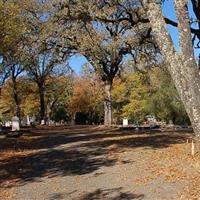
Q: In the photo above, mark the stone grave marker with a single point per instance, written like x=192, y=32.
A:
x=8, y=124
x=28, y=123
x=15, y=124
x=125, y=122
x=42, y=122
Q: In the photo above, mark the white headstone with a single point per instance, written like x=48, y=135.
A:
x=42, y=122
x=125, y=122
x=51, y=122
x=28, y=120
x=8, y=124
x=15, y=124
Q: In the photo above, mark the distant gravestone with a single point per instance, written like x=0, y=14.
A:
x=32, y=120
x=57, y=123
x=170, y=125
x=151, y=120
x=42, y=122
x=8, y=123
x=125, y=122
x=15, y=124
x=51, y=122
x=28, y=123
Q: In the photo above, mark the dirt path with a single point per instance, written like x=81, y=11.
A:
x=89, y=163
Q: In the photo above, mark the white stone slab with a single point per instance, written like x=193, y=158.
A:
x=15, y=124
x=125, y=122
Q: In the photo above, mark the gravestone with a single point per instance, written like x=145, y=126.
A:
x=42, y=122
x=8, y=123
x=151, y=120
x=51, y=122
x=32, y=120
x=28, y=123
x=125, y=122
x=171, y=125
x=15, y=124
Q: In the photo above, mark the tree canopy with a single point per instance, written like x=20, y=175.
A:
x=124, y=42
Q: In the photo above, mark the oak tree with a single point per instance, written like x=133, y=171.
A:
x=181, y=65
x=105, y=32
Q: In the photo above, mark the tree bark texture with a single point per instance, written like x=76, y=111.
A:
x=181, y=65
x=42, y=103
x=108, y=104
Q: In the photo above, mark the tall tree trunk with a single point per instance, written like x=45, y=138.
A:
x=49, y=107
x=48, y=113
x=16, y=98
x=182, y=66
x=42, y=103
x=108, y=104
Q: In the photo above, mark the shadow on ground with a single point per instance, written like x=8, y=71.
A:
x=42, y=138
x=99, y=194
x=55, y=162
x=84, y=151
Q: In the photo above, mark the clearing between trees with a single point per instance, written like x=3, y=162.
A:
x=91, y=162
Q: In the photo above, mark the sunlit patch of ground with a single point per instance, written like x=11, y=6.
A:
x=95, y=162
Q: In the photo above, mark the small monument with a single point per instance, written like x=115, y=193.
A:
x=171, y=124
x=15, y=124
x=32, y=120
x=8, y=124
x=42, y=122
x=28, y=123
x=125, y=122
x=151, y=120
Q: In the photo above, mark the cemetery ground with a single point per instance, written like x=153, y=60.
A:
x=91, y=162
